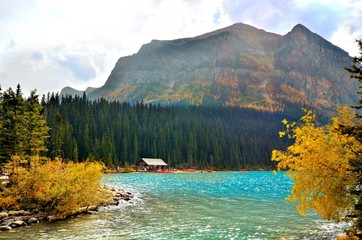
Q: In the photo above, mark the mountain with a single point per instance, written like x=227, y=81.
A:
x=73, y=92
x=239, y=65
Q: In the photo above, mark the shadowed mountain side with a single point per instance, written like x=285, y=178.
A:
x=236, y=66
x=73, y=92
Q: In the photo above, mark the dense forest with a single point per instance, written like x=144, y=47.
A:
x=31, y=181
x=199, y=137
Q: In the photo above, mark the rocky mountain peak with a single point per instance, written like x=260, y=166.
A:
x=239, y=65
x=300, y=28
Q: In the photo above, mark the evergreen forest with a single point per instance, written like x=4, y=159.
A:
x=120, y=134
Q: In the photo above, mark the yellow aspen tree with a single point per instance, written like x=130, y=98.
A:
x=318, y=162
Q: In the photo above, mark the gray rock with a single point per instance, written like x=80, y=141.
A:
x=33, y=220
x=3, y=215
x=92, y=208
x=7, y=222
x=119, y=195
x=16, y=213
x=126, y=198
x=54, y=218
x=26, y=213
x=18, y=218
x=16, y=224
x=5, y=228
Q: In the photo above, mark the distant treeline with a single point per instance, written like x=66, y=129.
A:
x=120, y=133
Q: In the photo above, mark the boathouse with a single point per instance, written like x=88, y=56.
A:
x=151, y=164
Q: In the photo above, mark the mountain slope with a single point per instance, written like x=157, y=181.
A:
x=311, y=71
x=73, y=92
x=236, y=66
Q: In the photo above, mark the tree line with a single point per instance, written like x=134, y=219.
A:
x=35, y=182
x=23, y=129
x=194, y=136
x=118, y=134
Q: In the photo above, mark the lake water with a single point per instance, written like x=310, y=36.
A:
x=217, y=205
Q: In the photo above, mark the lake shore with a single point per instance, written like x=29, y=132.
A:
x=18, y=218
x=221, y=205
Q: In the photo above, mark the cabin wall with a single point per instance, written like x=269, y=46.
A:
x=142, y=167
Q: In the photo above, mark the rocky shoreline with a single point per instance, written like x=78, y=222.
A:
x=14, y=219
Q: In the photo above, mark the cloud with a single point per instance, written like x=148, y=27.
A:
x=349, y=29
x=268, y=14
x=336, y=20
x=51, y=44
x=280, y=16
x=79, y=66
x=52, y=68
x=77, y=43
x=38, y=55
x=323, y=18
x=11, y=45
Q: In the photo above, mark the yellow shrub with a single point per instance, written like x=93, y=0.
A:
x=109, y=170
x=319, y=163
x=9, y=202
x=57, y=188
x=129, y=169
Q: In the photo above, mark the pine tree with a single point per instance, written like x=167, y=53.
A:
x=135, y=150
x=23, y=131
x=113, y=131
x=356, y=163
x=12, y=130
x=36, y=126
x=124, y=152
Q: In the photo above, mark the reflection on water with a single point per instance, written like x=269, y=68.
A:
x=218, y=205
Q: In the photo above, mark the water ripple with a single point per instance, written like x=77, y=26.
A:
x=218, y=205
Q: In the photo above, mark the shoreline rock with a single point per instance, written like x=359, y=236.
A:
x=14, y=219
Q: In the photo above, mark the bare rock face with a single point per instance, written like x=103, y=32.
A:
x=312, y=71
x=236, y=66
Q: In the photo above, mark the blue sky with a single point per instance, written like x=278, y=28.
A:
x=49, y=44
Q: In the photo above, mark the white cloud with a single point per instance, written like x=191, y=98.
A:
x=349, y=30
x=77, y=43
x=51, y=44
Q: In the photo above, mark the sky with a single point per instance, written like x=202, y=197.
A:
x=50, y=44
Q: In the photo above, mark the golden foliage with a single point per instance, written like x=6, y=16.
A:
x=56, y=187
x=128, y=169
x=318, y=162
x=7, y=200
x=347, y=238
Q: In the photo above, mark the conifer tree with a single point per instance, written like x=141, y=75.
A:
x=356, y=163
x=36, y=126
x=23, y=129
x=12, y=130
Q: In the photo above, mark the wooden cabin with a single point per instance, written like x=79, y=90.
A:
x=151, y=164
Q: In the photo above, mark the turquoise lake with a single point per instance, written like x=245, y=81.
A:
x=217, y=205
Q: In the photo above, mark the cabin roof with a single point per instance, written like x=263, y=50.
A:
x=154, y=162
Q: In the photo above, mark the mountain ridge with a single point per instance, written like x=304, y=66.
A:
x=239, y=65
